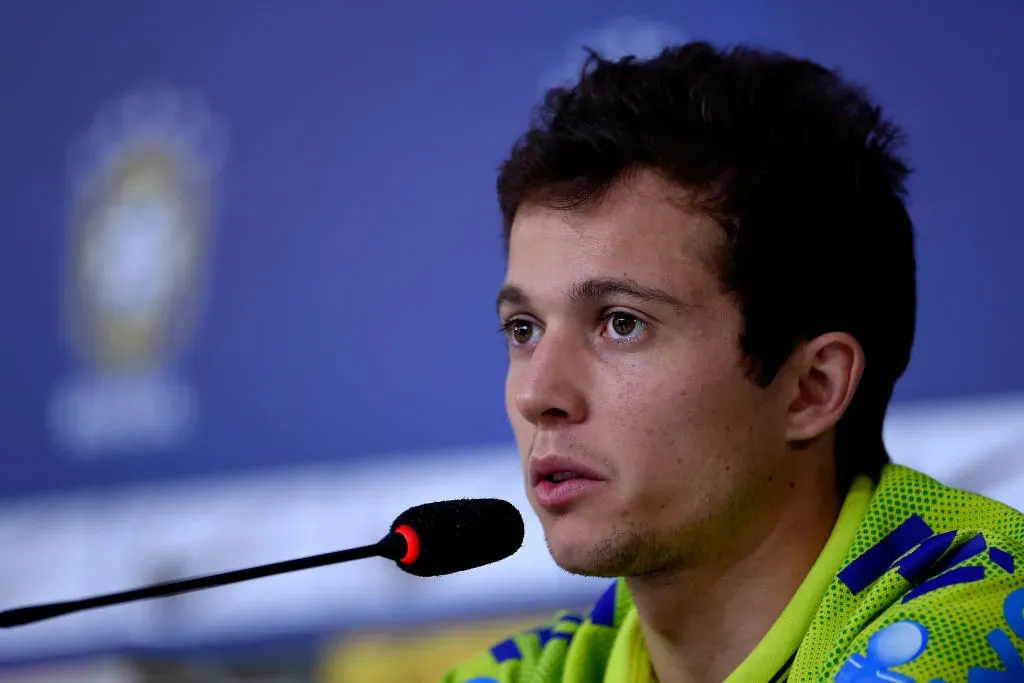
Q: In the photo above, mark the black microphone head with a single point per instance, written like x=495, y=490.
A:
x=454, y=535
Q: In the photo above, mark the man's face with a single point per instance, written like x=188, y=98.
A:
x=625, y=368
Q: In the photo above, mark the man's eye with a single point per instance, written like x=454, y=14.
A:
x=623, y=325
x=521, y=331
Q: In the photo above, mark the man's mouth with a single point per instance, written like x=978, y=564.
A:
x=558, y=481
x=558, y=469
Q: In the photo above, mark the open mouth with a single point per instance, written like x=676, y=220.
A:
x=558, y=473
x=558, y=481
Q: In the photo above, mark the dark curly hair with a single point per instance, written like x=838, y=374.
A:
x=797, y=166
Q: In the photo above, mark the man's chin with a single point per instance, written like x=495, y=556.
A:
x=588, y=569
x=600, y=558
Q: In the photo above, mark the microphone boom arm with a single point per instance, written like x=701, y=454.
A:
x=392, y=546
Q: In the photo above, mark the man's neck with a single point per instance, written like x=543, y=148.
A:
x=700, y=622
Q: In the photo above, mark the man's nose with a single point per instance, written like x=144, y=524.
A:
x=553, y=384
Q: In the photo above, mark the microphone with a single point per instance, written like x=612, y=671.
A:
x=433, y=539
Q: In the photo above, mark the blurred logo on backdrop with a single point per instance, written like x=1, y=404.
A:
x=142, y=200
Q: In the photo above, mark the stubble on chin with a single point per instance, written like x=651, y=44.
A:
x=624, y=552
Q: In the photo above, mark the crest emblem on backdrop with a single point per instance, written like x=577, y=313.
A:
x=140, y=212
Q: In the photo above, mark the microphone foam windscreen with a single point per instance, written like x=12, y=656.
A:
x=456, y=535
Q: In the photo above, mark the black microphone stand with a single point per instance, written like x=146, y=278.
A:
x=392, y=546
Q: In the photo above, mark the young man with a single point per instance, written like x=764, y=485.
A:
x=710, y=295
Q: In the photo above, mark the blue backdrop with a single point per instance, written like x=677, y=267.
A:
x=347, y=306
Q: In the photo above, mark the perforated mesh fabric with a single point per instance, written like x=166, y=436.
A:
x=957, y=619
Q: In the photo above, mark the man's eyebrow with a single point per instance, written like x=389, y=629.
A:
x=510, y=295
x=604, y=288
x=596, y=289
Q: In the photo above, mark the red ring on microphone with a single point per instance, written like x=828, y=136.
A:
x=412, y=543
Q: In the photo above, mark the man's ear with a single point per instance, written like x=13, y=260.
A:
x=827, y=370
